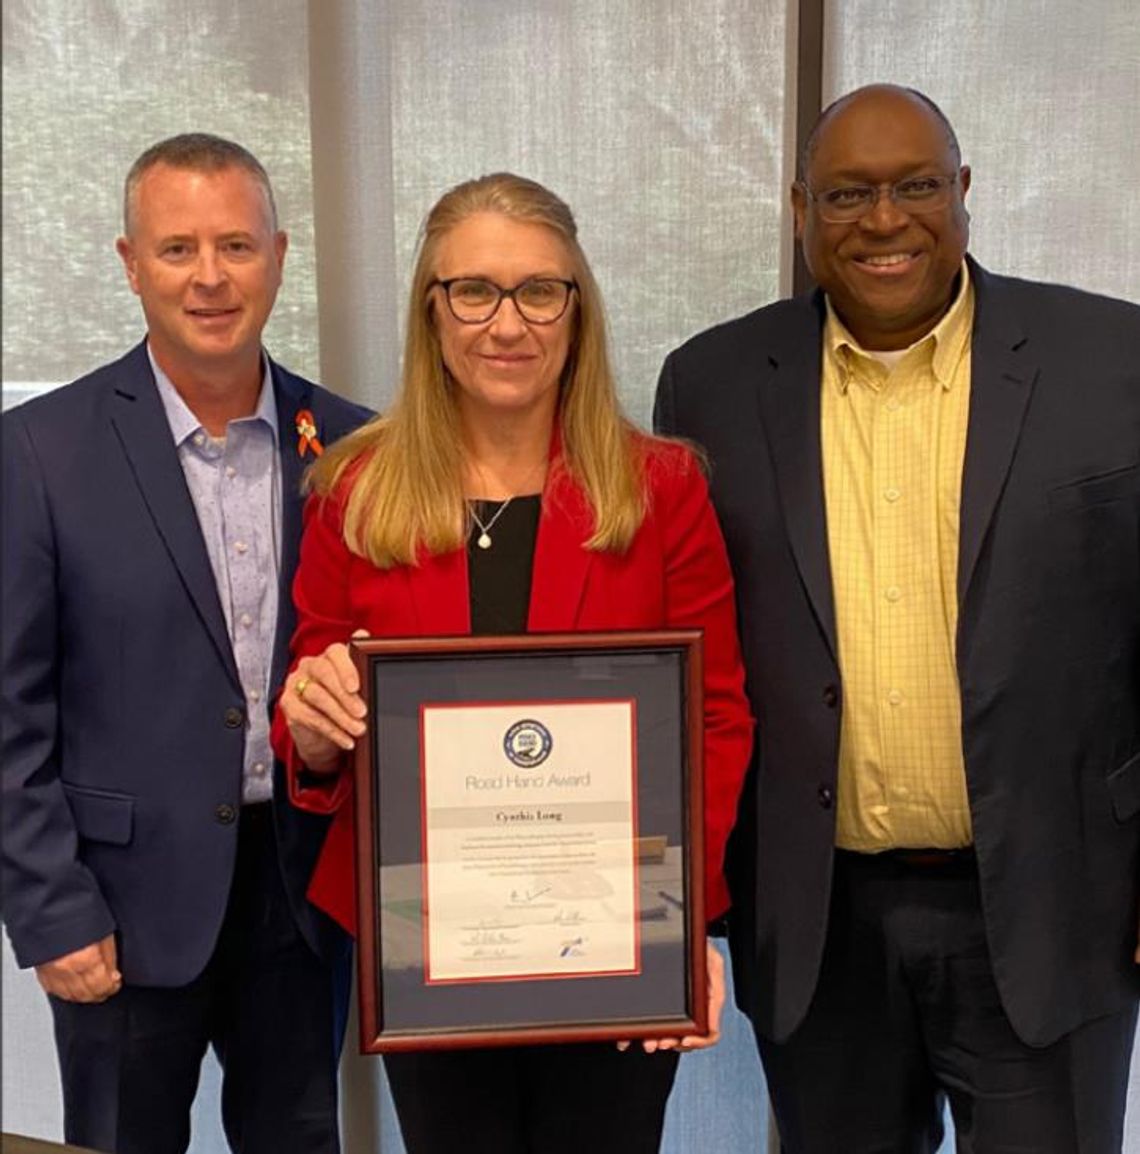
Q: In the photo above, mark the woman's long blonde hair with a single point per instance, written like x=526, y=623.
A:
x=405, y=490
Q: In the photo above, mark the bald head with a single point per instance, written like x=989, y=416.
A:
x=871, y=91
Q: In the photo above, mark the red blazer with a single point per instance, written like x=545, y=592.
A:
x=675, y=574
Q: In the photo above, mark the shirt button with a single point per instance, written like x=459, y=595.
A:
x=255, y=695
x=225, y=813
x=240, y=546
x=234, y=718
x=826, y=796
x=892, y=405
x=895, y=697
x=231, y=472
x=893, y=593
x=891, y=495
x=259, y=769
x=246, y=620
x=199, y=439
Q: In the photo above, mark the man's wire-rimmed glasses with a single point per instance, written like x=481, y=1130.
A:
x=540, y=300
x=913, y=195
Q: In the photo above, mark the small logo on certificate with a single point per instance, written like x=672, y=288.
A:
x=528, y=743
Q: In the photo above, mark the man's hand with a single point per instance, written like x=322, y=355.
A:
x=87, y=975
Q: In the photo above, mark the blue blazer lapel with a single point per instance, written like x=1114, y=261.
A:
x=142, y=429
x=1002, y=374
x=291, y=395
x=789, y=400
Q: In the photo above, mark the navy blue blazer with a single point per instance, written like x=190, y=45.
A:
x=123, y=714
x=1048, y=645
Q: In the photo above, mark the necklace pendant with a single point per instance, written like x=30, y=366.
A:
x=484, y=541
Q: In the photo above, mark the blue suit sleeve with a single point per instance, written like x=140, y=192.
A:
x=52, y=904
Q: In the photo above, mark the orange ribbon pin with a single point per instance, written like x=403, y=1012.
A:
x=307, y=434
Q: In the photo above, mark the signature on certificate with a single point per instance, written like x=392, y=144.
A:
x=489, y=938
x=529, y=895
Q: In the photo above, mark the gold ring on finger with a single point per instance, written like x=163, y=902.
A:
x=301, y=684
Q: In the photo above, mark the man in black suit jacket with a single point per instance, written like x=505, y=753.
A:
x=930, y=903
x=154, y=873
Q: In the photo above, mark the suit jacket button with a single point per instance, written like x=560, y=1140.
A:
x=225, y=813
x=826, y=796
x=831, y=696
x=234, y=718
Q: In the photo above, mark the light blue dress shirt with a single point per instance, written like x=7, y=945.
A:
x=235, y=484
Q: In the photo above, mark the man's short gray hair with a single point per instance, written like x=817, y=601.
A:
x=196, y=152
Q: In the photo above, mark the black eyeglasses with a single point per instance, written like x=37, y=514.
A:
x=913, y=195
x=540, y=300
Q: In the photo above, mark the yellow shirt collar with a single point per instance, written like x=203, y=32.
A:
x=950, y=338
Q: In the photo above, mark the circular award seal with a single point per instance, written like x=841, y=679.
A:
x=528, y=743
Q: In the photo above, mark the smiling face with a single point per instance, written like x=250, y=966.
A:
x=505, y=367
x=889, y=275
x=202, y=255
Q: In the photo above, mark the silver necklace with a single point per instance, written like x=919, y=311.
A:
x=484, y=539
x=485, y=527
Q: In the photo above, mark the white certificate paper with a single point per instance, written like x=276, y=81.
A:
x=530, y=828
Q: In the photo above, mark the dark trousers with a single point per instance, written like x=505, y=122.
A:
x=582, y=1098
x=265, y=1002
x=907, y=1015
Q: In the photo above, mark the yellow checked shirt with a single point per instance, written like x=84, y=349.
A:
x=894, y=441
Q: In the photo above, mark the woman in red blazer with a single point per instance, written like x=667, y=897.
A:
x=506, y=493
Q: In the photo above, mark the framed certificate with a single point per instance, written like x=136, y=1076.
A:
x=529, y=831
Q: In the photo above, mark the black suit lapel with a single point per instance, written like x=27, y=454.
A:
x=1002, y=373
x=789, y=399
x=144, y=432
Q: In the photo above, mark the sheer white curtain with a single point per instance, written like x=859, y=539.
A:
x=663, y=123
x=87, y=86
x=1043, y=95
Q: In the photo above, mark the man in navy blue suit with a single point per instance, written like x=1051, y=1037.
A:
x=928, y=477
x=154, y=873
